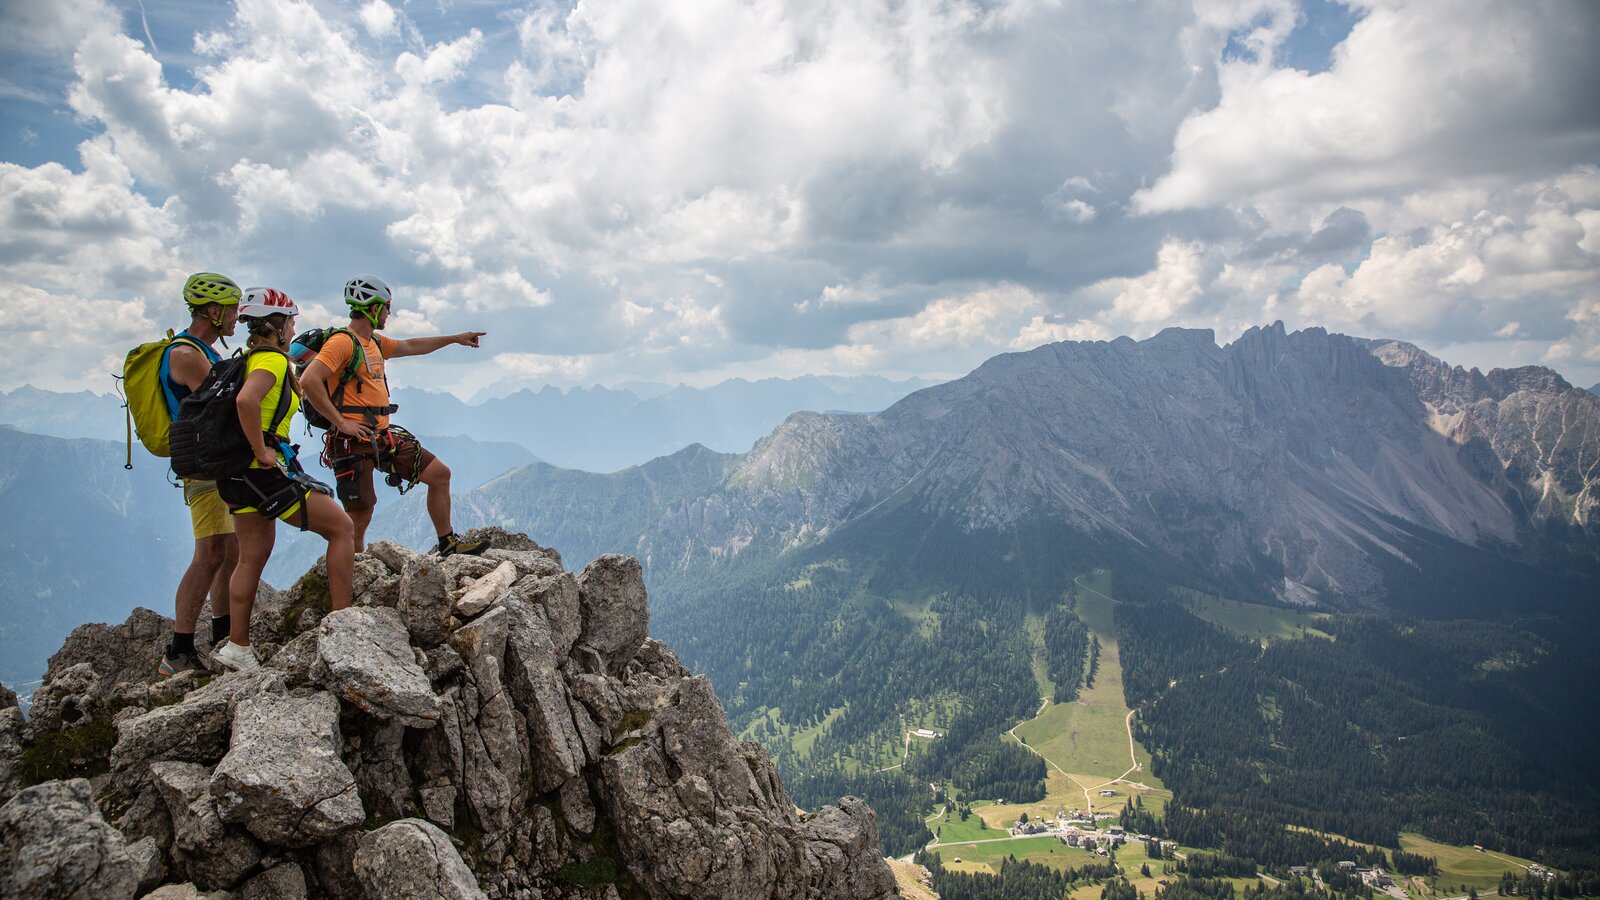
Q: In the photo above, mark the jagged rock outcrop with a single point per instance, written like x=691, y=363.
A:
x=54, y=843
x=492, y=727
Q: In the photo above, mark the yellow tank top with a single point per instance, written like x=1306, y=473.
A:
x=278, y=366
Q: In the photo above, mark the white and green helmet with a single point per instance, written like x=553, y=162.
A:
x=363, y=291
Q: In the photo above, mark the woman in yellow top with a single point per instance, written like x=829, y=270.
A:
x=274, y=487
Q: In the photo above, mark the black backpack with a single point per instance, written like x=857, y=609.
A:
x=206, y=439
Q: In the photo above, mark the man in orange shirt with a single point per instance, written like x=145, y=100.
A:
x=361, y=438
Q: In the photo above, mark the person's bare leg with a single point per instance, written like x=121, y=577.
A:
x=221, y=605
x=359, y=520
x=210, y=556
x=437, y=477
x=326, y=518
x=256, y=534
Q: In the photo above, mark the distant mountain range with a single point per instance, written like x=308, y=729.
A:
x=82, y=540
x=1306, y=467
x=596, y=429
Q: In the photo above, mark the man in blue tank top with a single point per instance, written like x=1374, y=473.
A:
x=213, y=309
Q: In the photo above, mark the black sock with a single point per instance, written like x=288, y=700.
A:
x=220, y=626
x=181, y=643
x=444, y=539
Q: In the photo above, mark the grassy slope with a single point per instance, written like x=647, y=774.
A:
x=1089, y=738
x=1264, y=623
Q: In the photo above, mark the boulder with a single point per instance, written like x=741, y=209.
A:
x=842, y=853
x=185, y=892
x=148, y=866
x=283, y=778
x=119, y=654
x=364, y=657
x=493, y=746
x=195, y=730
x=373, y=584
x=614, y=609
x=557, y=597
x=281, y=882
x=394, y=556
x=425, y=601
x=500, y=539
x=204, y=849
x=460, y=570
x=67, y=699
x=54, y=843
x=556, y=748
x=537, y=563
x=413, y=858
x=486, y=590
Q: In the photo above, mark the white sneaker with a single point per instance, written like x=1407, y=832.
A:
x=235, y=657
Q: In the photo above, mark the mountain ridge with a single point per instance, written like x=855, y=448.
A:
x=1303, y=450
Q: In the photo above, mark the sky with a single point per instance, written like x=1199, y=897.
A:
x=632, y=190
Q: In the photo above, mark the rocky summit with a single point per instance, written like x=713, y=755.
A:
x=488, y=726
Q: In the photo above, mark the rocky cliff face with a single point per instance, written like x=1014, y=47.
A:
x=1302, y=457
x=472, y=727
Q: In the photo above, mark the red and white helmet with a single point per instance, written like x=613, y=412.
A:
x=260, y=302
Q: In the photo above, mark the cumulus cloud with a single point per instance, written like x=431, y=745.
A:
x=378, y=18
x=1414, y=98
x=642, y=190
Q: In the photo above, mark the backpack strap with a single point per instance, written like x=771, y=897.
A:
x=282, y=409
x=358, y=358
x=164, y=374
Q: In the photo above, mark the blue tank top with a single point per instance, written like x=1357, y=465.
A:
x=174, y=390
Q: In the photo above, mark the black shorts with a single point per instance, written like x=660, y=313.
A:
x=266, y=491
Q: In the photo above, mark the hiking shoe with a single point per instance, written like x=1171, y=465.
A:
x=235, y=657
x=173, y=663
x=452, y=543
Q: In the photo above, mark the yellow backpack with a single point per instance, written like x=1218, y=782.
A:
x=144, y=396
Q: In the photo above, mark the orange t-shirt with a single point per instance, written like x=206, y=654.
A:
x=369, y=387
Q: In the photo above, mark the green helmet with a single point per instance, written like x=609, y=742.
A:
x=209, y=287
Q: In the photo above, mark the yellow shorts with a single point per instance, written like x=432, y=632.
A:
x=207, y=512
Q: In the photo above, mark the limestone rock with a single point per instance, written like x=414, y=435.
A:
x=67, y=699
x=195, y=730
x=557, y=597
x=392, y=555
x=373, y=584
x=425, y=601
x=486, y=590
x=283, y=778
x=541, y=726
x=54, y=843
x=184, y=892
x=556, y=748
x=148, y=866
x=614, y=609
x=295, y=659
x=500, y=539
x=281, y=882
x=11, y=725
x=204, y=849
x=364, y=657
x=842, y=851
x=537, y=563
x=460, y=569
x=413, y=858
